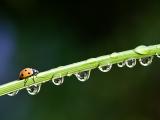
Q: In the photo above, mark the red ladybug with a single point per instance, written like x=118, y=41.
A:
x=27, y=72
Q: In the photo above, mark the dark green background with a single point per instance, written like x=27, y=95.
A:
x=45, y=35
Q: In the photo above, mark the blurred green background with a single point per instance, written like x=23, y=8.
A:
x=44, y=35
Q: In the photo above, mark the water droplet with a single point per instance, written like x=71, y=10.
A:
x=69, y=74
x=34, y=89
x=140, y=50
x=13, y=93
x=130, y=62
x=58, y=81
x=121, y=64
x=114, y=55
x=146, y=61
x=83, y=76
x=158, y=55
x=105, y=68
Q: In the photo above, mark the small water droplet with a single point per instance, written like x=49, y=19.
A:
x=130, y=62
x=158, y=55
x=69, y=74
x=34, y=89
x=58, y=81
x=105, y=68
x=121, y=64
x=114, y=55
x=146, y=61
x=13, y=93
x=83, y=76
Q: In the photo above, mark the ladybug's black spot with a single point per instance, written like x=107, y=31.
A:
x=22, y=74
x=29, y=73
x=25, y=70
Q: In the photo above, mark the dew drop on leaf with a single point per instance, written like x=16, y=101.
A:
x=34, y=89
x=130, y=62
x=105, y=68
x=121, y=64
x=146, y=60
x=13, y=93
x=158, y=55
x=58, y=81
x=83, y=76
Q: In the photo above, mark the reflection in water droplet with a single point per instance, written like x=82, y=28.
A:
x=158, y=55
x=83, y=76
x=130, y=62
x=121, y=64
x=58, y=81
x=34, y=89
x=105, y=68
x=146, y=61
x=13, y=93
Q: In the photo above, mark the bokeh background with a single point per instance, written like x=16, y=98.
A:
x=45, y=35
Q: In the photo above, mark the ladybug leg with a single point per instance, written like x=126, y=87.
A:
x=34, y=76
x=25, y=81
x=33, y=79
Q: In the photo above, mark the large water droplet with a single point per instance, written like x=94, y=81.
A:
x=121, y=64
x=130, y=62
x=13, y=93
x=83, y=76
x=34, y=89
x=105, y=68
x=158, y=55
x=140, y=50
x=146, y=61
x=58, y=81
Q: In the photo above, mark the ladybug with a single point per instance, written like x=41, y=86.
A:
x=27, y=72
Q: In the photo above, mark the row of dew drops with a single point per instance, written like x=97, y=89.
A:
x=83, y=76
